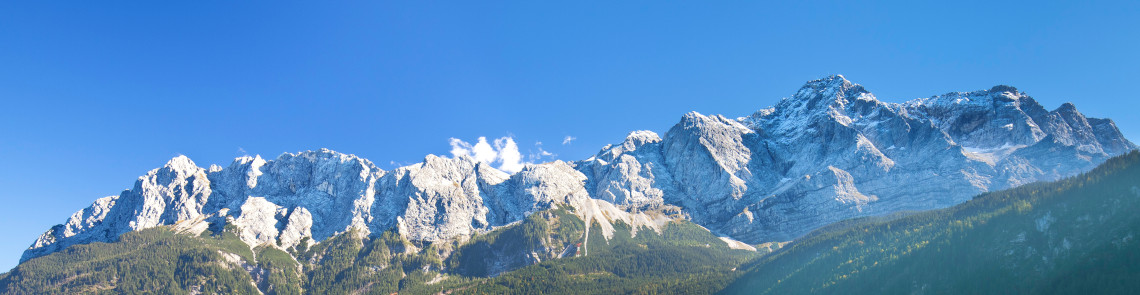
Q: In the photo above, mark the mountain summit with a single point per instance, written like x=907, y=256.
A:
x=829, y=152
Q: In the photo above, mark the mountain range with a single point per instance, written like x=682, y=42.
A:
x=830, y=152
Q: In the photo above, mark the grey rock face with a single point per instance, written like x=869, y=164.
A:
x=257, y=224
x=833, y=151
x=632, y=174
x=177, y=191
x=829, y=152
x=298, y=226
x=319, y=194
x=440, y=199
x=337, y=189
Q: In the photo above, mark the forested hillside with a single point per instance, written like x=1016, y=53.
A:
x=1075, y=236
x=164, y=261
x=684, y=259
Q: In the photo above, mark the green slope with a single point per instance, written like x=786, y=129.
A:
x=160, y=261
x=1075, y=236
x=683, y=259
x=154, y=261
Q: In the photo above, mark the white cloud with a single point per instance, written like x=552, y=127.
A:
x=505, y=152
x=539, y=155
x=483, y=152
x=509, y=155
x=542, y=152
x=568, y=139
x=459, y=148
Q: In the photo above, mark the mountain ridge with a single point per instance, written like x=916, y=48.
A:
x=829, y=152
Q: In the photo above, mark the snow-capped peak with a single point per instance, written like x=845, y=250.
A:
x=827, y=90
x=181, y=165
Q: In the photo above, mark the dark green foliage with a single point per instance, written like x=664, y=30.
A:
x=331, y=261
x=542, y=232
x=1075, y=236
x=351, y=263
x=684, y=258
x=158, y=261
x=282, y=272
x=155, y=261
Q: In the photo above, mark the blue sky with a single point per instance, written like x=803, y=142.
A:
x=95, y=94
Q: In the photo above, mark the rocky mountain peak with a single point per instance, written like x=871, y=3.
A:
x=1067, y=108
x=633, y=141
x=1000, y=97
x=1003, y=89
x=179, y=167
x=818, y=104
x=641, y=137
x=181, y=163
x=826, y=91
